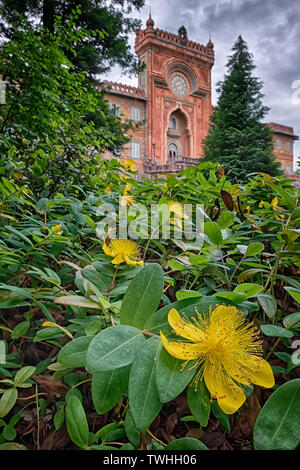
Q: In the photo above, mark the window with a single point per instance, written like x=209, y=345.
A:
x=115, y=108
x=288, y=146
x=135, y=114
x=172, y=123
x=278, y=144
x=288, y=169
x=135, y=149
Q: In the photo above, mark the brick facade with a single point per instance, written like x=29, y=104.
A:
x=283, y=145
x=171, y=106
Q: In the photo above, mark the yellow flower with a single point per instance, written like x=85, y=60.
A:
x=108, y=189
x=227, y=351
x=129, y=165
x=56, y=229
x=274, y=204
x=127, y=200
x=261, y=204
x=122, y=251
x=177, y=209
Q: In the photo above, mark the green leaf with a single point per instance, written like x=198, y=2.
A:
x=12, y=446
x=268, y=304
x=249, y=289
x=8, y=401
x=21, y=329
x=199, y=402
x=292, y=321
x=23, y=374
x=213, y=231
x=234, y=297
x=108, y=387
x=220, y=415
x=99, y=280
x=186, y=443
x=277, y=426
x=275, y=330
x=225, y=220
x=58, y=419
x=9, y=432
x=144, y=402
x=114, y=347
x=171, y=380
x=132, y=432
x=295, y=293
x=142, y=296
x=78, y=301
x=186, y=294
x=76, y=422
x=249, y=273
x=199, y=260
x=254, y=249
x=176, y=265
x=73, y=354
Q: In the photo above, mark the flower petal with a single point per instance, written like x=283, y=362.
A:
x=264, y=375
x=118, y=259
x=107, y=250
x=184, y=329
x=184, y=351
x=229, y=395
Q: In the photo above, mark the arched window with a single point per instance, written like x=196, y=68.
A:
x=173, y=151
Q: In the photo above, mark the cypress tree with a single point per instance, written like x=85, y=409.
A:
x=238, y=139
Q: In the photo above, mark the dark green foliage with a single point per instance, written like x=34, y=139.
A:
x=47, y=137
x=238, y=139
x=97, y=53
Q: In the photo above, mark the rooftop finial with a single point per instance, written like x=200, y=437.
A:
x=183, y=35
x=150, y=22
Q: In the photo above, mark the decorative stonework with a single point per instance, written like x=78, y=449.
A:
x=172, y=166
x=120, y=88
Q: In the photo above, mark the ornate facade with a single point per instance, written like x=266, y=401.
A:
x=172, y=105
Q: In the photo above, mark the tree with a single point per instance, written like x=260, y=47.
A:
x=45, y=136
x=238, y=139
x=96, y=54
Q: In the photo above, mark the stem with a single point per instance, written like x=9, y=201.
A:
x=38, y=417
x=236, y=268
x=146, y=248
x=273, y=348
x=149, y=334
x=155, y=438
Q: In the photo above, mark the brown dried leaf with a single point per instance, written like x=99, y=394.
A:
x=171, y=422
x=52, y=387
x=250, y=411
x=227, y=199
x=56, y=440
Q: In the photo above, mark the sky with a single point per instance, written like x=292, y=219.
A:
x=271, y=29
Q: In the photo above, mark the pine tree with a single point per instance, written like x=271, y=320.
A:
x=238, y=139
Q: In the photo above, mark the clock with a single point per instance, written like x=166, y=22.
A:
x=179, y=85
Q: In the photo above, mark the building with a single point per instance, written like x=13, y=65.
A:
x=284, y=138
x=171, y=106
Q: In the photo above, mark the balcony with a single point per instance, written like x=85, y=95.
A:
x=172, y=165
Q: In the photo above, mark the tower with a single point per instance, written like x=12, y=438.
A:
x=176, y=80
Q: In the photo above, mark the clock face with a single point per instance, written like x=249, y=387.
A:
x=179, y=85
